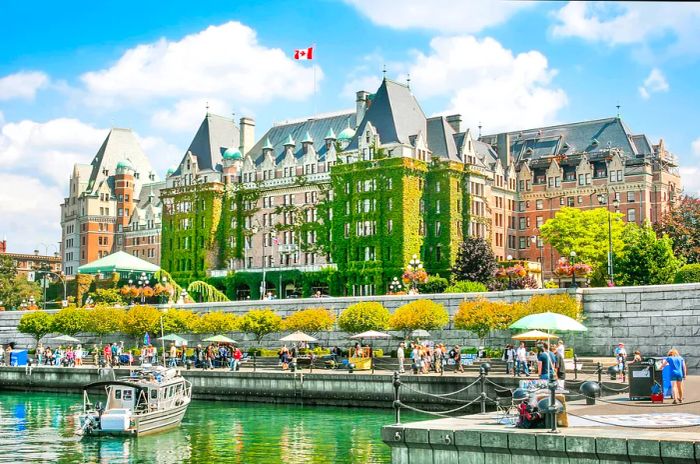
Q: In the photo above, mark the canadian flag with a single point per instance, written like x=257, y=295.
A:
x=304, y=54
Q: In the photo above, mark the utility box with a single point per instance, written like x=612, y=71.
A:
x=642, y=377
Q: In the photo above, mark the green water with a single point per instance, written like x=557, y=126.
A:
x=40, y=428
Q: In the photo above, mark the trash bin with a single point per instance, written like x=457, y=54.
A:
x=18, y=358
x=642, y=376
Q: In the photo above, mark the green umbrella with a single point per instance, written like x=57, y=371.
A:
x=548, y=321
x=174, y=338
x=219, y=339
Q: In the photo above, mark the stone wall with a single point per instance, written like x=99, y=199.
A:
x=651, y=319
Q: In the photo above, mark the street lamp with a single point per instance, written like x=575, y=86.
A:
x=395, y=286
x=414, y=265
x=572, y=261
x=603, y=199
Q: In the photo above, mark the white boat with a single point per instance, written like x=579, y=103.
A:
x=150, y=400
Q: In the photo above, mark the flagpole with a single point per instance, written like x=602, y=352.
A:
x=313, y=47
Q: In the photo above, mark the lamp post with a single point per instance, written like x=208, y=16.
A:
x=143, y=282
x=572, y=262
x=165, y=283
x=509, y=258
x=62, y=277
x=395, y=286
x=603, y=199
x=414, y=265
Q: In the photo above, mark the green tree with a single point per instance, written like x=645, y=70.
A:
x=647, y=259
x=141, y=319
x=260, y=322
x=364, y=316
x=179, y=321
x=586, y=233
x=419, y=314
x=108, y=296
x=36, y=323
x=103, y=320
x=15, y=288
x=690, y=273
x=475, y=261
x=481, y=316
x=682, y=225
x=435, y=284
x=216, y=322
x=312, y=320
x=70, y=321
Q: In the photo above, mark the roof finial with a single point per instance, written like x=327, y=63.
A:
x=207, y=106
x=480, y=129
x=618, y=110
x=384, y=72
x=408, y=81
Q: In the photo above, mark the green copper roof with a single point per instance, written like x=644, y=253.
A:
x=307, y=138
x=124, y=164
x=290, y=140
x=268, y=144
x=232, y=154
x=346, y=134
x=330, y=134
x=169, y=172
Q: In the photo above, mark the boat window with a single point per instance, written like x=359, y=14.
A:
x=128, y=395
x=117, y=394
x=154, y=394
x=170, y=391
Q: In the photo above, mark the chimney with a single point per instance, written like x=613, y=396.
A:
x=455, y=120
x=247, y=134
x=503, y=149
x=361, y=103
x=3, y=246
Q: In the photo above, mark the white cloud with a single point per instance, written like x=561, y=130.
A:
x=224, y=62
x=22, y=85
x=675, y=27
x=486, y=82
x=696, y=146
x=690, y=178
x=446, y=16
x=186, y=115
x=162, y=154
x=655, y=82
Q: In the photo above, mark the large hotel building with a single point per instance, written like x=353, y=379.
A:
x=341, y=202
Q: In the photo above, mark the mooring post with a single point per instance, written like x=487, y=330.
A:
x=553, y=404
x=397, y=397
x=254, y=351
x=600, y=374
x=575, y=366
x=482, y=381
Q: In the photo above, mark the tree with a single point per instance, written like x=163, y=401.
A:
x=682, y=225
x=435, y=284
x=179, y=321
x=108, y=296
x=364, y=316
x=419, y=314
x=70, y=321
x=260, y=322
x=15, y=288
x=481, y=316
x=103, y=320
x=312, y=320
x=475, y=261
x=647, y=259
x=141, y=319
x=216, y=322
x=690, y=273
x=586, y=233
x=560, y=303
x=37, y=324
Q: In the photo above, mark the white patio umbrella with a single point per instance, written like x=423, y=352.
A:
x=66, y=339
x=298, y=337
x=371, y=335
x=420, y=333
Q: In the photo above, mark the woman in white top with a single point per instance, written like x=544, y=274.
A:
x=79, y=355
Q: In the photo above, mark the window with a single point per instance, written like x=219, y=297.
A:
x=437, y=187
x=437, y=228
x=437, y=206
x=522, y=223
x=522, y=243
x=521, y=206
x=631, y=215
x=539, y=221
x=570, y=202
x=580, y=199
x=539, y=204
x=581, y=179
x=389, y=184
x=390, y=225
x=630, y=197
x=347, y=230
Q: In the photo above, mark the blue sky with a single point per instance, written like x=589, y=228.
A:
x=69, y=71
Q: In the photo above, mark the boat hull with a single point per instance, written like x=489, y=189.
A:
x=149, y=423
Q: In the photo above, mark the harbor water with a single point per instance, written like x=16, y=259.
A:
x=40, y=428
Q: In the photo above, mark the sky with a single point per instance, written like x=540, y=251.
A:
x=71, y=70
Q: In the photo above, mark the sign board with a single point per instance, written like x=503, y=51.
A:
x=64, y=303
x=31, y=276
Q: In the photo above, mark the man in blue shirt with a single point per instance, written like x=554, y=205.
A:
x=545, y=362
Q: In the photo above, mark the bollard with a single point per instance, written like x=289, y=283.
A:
x=553, y=404
x=575, y=367
x=254, y=357
x=482, y=381
x=397, y=398
x=600, y=374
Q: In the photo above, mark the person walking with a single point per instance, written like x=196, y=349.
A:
x=559, y=366
x=401, y=355
x=237, y=356
x=679, y=371
x=521, y=360
x=79, y=355
x=173, y=355
x=545, y=362
x=509, y=358
x=621, y=359
x=456, y=355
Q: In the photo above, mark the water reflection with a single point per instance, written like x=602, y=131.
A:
x=40, y=427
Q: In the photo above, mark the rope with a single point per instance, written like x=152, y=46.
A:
x=618, y=390
x=633, y=405
x=440, y=395
x=404, y=405
x=634, y=426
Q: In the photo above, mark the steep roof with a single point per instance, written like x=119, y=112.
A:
x=588, y=136
x=120, y=145
x=317, y=128
x=214, y=136
x=395, y=113
x=441, y=139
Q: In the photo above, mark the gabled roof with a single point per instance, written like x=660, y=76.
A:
x=120, y=145
x=116, y=262
x=317, y=128
x=588, y=136
x=441, y=139
x=214, y=136
x=394, y=113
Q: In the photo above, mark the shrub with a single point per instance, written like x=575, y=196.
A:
x=216, y=322
x=562, y=304
x=419, y=314
x=481, y=316
x=141, y=319
x=108, y=296
x=435, y=284
x=70, y=321
x=260, y=322
x=475, y=261
x=310, y=320
x=103, y=320
x=364, y=316
x=687, y=274
x=37, y=324
x=551, y=284
x=465, y=286
x=179, y=321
